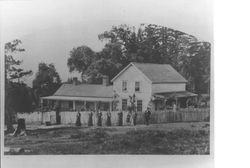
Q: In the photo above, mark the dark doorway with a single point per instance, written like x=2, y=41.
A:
x=58, y=117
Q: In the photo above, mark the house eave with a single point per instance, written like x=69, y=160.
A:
x=124, y=69
x=169, y=82
x=78, y=98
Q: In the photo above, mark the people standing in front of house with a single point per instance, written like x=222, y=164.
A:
x=134, y=116
x=90, y=121
x=108, y=118
x=78, y=119
x=147, y=115
x=128, y=118
x=174, y=107
x=99, y=119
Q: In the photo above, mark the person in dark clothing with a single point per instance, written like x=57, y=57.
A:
x=128, y=118
x=108, y=118
x=120, y=117
x=147, y=116
x=90, y=121
x=78, y=119
x=134, y=118
x=99, y=121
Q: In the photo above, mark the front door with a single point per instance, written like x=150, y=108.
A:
x=58, y=117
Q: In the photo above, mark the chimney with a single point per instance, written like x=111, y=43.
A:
x=105, y=80
x=74, y=81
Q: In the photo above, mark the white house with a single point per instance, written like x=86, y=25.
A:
x=154, y=85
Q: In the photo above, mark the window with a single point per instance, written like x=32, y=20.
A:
x=124, y=104
x=90, y=105
x=104, y=106
x=52, y=103
x=124, y=86
x=139, y=105
x=71, y=104
x=45, y=102
x=137, y=86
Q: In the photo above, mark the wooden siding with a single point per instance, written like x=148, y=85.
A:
x=132, y=75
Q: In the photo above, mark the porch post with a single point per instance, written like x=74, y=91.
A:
x=84, y=104
x=110, y=106
x=74, y=105
x=41, y=101
x=95, y=106
x=176, y=99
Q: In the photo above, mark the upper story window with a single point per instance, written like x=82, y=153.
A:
x=124, y=86
x=137, y=86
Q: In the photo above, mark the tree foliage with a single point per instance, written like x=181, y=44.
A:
x=80, y=59
x=12, y=65
x=149, y=44
x=18, y=96
x=47, y=80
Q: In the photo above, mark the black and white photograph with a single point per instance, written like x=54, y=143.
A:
x=106, y=77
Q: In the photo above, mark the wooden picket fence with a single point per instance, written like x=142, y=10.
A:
x=179, y=116
x=69, y=117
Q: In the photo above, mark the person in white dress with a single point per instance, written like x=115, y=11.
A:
x=174, y=107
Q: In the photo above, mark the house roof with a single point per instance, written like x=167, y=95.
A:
x=178, y=94
x=85, y=90
x=70, y=98
x=157, y=73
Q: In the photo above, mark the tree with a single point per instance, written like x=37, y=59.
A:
x=71, y=81
x=47, y=80
x=200, y=66
x=80, y=59
x=12, y=70
x=18, y=97
x=150, y=44
x=157, y=44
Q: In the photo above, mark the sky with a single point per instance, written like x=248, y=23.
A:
x=50, y=29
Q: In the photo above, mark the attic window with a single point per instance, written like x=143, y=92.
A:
x=124, y=86
x=137, y=86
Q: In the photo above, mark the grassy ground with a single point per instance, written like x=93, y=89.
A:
x=172, y=138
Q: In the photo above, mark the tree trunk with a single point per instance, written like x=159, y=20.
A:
x=8, y=121
x=21, y=127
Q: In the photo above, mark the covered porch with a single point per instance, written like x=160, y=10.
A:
x=70, y=103
x=165, y=100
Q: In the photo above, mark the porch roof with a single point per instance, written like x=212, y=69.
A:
x=71, y=98
x=174, y=94
x=85, y=90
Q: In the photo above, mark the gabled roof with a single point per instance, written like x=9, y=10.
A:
x=85, y=90
x=178, y=94
x=157, y=73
